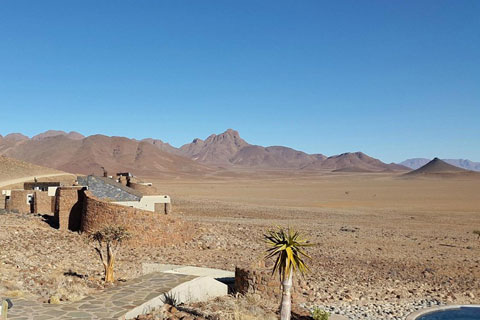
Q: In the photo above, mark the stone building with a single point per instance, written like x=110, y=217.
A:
x=74, y=204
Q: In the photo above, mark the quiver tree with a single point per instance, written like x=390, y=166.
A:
x=107, y=242
x=286, y=247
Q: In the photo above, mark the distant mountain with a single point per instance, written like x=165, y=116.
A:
x=72, y=152
x=228, y=149
x=15, y=137
x=416, y=163
x=53, y=133
x=161, y=145
x=439, y=168
x=89, y=154
x=353, y=162
x=216, y=149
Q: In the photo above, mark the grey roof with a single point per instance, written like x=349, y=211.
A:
x=106, y=188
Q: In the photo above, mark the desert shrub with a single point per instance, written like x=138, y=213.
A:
x=319, y=314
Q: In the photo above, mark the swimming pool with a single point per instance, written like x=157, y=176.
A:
x=452, y=313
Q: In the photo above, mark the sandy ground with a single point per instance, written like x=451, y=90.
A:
x=380, y=239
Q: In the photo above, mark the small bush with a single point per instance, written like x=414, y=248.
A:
x=319, y=314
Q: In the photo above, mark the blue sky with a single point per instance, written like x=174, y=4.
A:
x=394, y=79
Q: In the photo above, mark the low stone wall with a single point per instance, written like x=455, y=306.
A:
x=145, y=226
x=68, y=208
x=145, y=189
x=257, y=279
x=2, y=201
x=18, y=201
x=42, y=202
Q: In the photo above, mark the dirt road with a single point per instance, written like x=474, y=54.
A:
x=30, y=178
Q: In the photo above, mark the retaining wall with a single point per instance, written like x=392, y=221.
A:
x=145, y=189
x=257, y=279
x=145, y=226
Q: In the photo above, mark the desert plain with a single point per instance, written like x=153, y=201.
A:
x=383, y=244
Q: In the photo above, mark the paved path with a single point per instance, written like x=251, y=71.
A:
x=121, y=302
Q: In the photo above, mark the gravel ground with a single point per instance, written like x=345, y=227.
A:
x=361, y=270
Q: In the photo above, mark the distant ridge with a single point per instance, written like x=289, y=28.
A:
x=437, y=167
x=416, y=163
x=72, y=152
x=228, y=149
x=53, y=133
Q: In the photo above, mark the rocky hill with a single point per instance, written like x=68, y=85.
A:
x=15, y=169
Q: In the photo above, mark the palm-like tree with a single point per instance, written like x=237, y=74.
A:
x=287, y=246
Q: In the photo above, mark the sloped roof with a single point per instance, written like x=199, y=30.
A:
x=106, y=188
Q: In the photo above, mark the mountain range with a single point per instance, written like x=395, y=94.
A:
x=73, y=152
x=416, y=163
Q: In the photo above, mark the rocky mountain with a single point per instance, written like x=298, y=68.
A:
x=75, y=153
x=89, y=154
x=228, y=149
x=53, y=133
x=15, y=137
x=216, y=149
x=353, y=161
x=273, y=157
x=416, y=163
x=164, y=146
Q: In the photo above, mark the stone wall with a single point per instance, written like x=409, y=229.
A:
x=145, y=226
x=18, y=201
x=2, y=201
x=144, y=189
x=258, y=280
x=42, y=202
x=68, y=208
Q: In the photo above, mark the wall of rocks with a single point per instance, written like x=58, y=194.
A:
x=144, y=189
x=18, y=201
x=42, y=202
x=2, y=201
x=145, y=226
x=68, y=208
x=258, y=280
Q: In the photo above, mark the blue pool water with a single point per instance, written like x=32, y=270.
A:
x=464, y=313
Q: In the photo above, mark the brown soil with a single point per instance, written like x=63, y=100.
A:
x=378, y=238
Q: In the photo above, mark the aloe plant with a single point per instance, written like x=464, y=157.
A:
x=286, y=246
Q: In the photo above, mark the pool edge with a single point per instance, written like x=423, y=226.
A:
x=422, y=312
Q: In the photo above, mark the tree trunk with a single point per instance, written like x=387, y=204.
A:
x=109, y=277
x=286, y=307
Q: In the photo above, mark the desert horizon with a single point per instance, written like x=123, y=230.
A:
x=239, y=160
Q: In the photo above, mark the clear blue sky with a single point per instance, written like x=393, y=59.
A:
x=394, y=79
